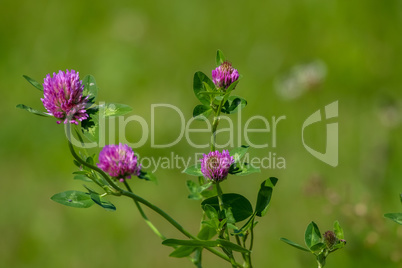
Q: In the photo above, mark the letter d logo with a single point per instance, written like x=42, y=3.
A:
x=331, y=152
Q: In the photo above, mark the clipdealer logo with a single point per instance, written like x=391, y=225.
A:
x=330, y=156
x=267, y=127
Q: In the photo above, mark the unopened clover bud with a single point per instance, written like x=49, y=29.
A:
x=330, y=239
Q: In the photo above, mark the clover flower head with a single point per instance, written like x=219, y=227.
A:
x=224, y=75
x=63, y=97
x=215, y=165
x=119, y=161
x=330, y=239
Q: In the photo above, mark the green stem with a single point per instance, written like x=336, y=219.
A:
x=321, y=259
x=95, y=178
x=213, y=137
x=159, y=211
x=244, y=255
x=144, y=216
x=251, y=245
x=218, y=188
x=219, y=191
x=228, y=252
x=221, y=208
x=215, y=125
x=232, y=260
x=252, y=235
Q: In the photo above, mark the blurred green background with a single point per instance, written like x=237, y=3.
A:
x=146, y=52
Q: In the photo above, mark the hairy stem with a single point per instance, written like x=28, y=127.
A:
x=215, y=125
x=144, y=216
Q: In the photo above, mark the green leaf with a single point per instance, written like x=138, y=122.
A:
x=194, y=196
x=90, y=190
x=264, y=197
x=182, y=251
x=76, y=163
x=220, y=58
x=199, y=88
x=82, y=172
x=231, y=88
x=293, y=244
x=213, y=217
x=312, y=235
x=197, y=259
x=243, y=169
x=194, y=170
x=75, y=199
x=33, y=111
x=196, y=190
x=90, y=126
x=318, y=247
x=340, y=244
x=201, y=112
x=102, y=202
x=218, y=95
x=208, y=88
x=148, y=176
x=209, y=193
x=338, y=230
x=229, y=217
x=234, y=104
x=33, y=82
x=90, y=87
x=193, y=243
x=206, y=232
x=229, y=91
x=192, y=186
x=271, y=181
x=242, y=231
x=239, y=152
x=396, y=217
x=90, y=160
x=211, y=212
x=114, y=109
x=211, y=224
x=240, y=206
x=80, y=138
x=82, y=178
x=400, y=196
x=321, y=259
x=205, y=186
x=203, y=243
x=229, y=245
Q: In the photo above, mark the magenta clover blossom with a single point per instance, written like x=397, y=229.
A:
x=63, y=97
x=119, y=161
x=224, y=75
x=215, y=165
